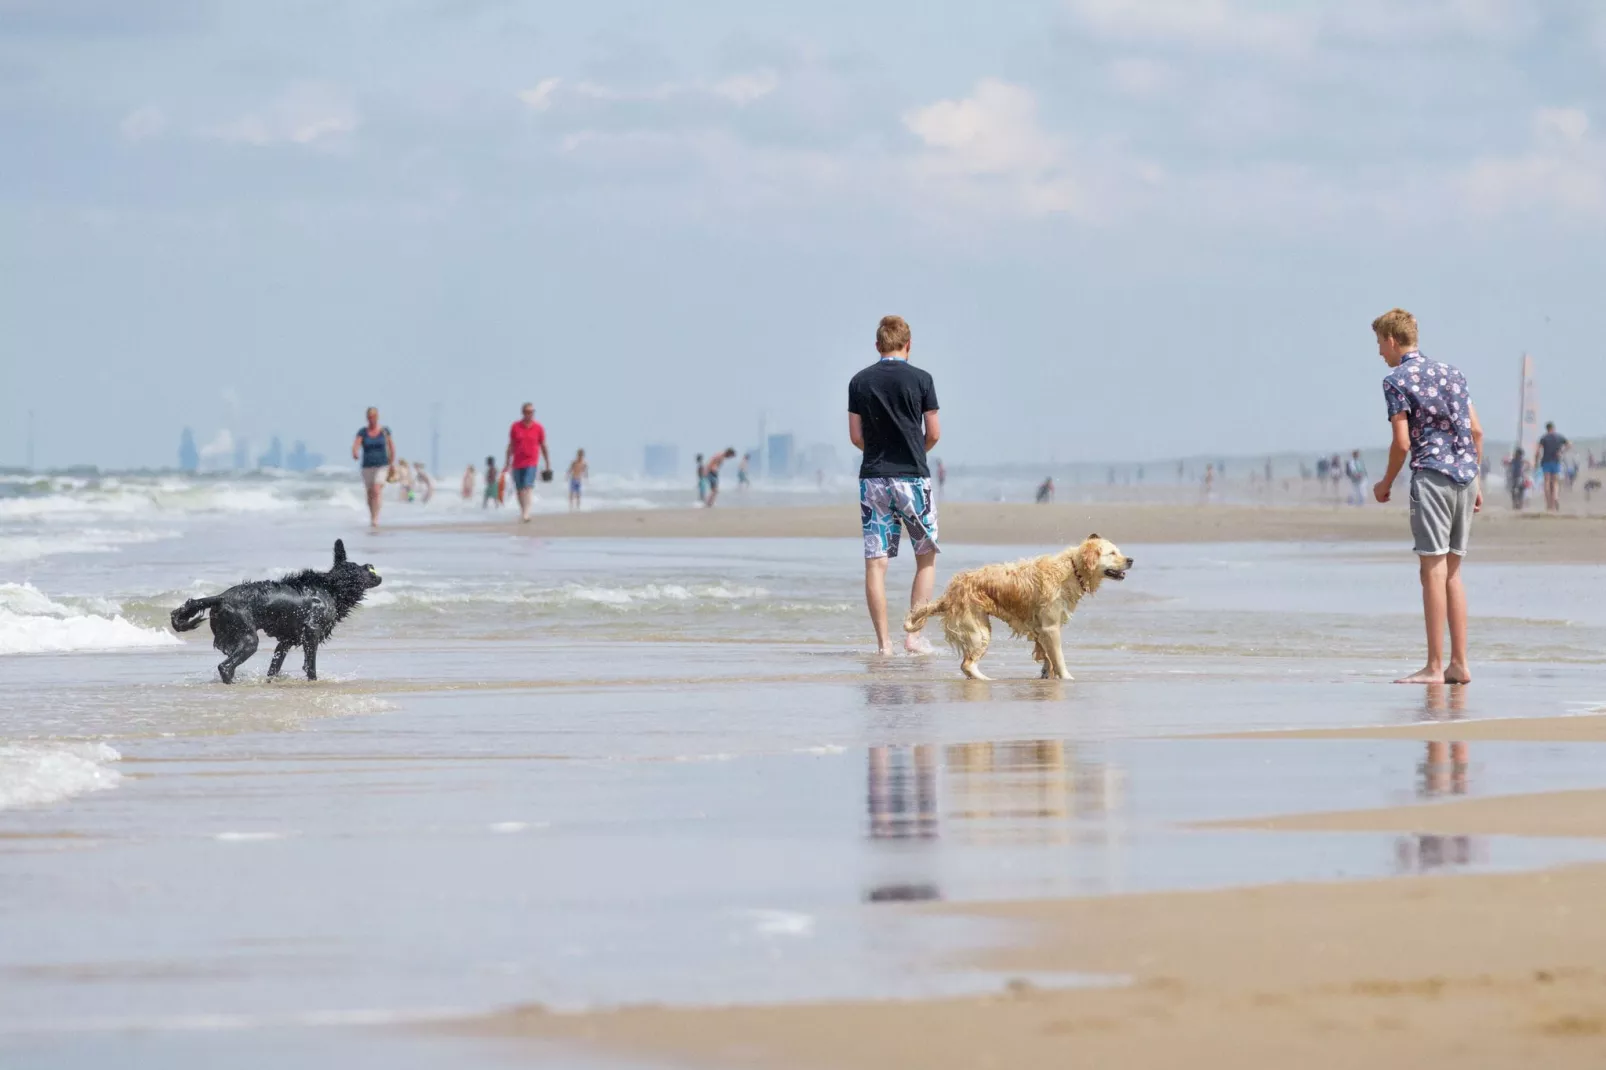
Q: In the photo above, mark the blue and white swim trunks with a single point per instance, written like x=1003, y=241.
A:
x=888, y=504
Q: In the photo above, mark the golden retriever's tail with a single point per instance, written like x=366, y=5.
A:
x=918, y=616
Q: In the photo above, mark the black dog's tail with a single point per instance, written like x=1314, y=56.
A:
x=187, y=617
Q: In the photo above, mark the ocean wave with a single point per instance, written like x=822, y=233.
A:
x=33, y=623
x=36, y=774
x=644, y=596
x=29, y=545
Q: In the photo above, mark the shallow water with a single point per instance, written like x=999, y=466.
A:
x=586, y=772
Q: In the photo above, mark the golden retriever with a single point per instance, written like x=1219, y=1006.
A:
x=1034, y=597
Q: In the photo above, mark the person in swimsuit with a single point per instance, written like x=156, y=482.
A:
x=702, y=481
x=579, y=471
x=490, y=485
x=742, y=478
x=374, y=447
x=711, y=475
x=468, y=483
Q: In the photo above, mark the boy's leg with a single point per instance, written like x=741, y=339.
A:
x=875, y=597
x=1456, y=610
x=880, y=532
x=919, y=595
x=1435, y=573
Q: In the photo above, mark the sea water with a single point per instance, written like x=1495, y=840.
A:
x=592, y=772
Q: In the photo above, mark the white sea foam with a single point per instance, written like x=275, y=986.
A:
x=30, y=545
x=37, y=774
x=780, y=923
x=572, y=594
x=33, y=623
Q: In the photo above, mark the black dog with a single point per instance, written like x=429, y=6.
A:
x=300, y=610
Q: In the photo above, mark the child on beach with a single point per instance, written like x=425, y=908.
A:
x=579, y=471
x=490, y=485
x=892, y=417
x=1435, y=427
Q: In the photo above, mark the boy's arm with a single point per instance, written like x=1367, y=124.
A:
x=1399, y=451
x=933, y=429
x=856, y=430
x=1477, y=447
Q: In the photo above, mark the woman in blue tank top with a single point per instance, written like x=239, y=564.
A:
x=374, y=447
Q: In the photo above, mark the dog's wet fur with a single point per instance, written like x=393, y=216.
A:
x=301, y=609
x=1035, y=597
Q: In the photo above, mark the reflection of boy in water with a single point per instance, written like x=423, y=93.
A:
x=1443, y=772
x=894, y=794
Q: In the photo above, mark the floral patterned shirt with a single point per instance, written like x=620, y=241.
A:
x=1434, y=397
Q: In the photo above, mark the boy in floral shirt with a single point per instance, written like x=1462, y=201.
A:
x=1436, y=427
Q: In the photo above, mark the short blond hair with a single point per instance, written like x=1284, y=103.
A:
x=1397, y=324
x=892, y=334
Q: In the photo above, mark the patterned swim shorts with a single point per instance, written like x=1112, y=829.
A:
x=885, y=504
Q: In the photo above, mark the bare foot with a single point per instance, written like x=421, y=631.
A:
x=917, y=644
x=886, y=650
x=1427, y=675
x=1457, y=674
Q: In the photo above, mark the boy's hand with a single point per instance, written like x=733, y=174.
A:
x=1381, y=491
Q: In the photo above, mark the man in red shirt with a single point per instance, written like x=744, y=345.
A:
x=526, y=448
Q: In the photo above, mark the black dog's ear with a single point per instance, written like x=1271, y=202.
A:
x=340, y=552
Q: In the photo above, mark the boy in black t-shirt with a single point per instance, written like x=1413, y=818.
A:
x=892, y=417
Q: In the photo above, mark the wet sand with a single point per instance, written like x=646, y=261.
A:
x=1497, y=536
x=1485, y=971
x=1551, y=813
x=1579, y=729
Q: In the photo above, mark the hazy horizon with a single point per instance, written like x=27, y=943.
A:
x=1139, y=231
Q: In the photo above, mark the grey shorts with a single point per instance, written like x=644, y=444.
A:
x=373, y=475
x=1441, y=513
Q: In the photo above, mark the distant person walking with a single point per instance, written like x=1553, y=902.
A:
x=1045, y=491
x=579, y=472
x=526, y=449
x=424, y=481
x=1435, y=427
x=468, y=484
x=491, y=485
x=1517, y=479
x=702, y=481
x=1552, y=446
x=1355, y=472
x=376, y=450
x=742, y=478
x=711, y=475
x=892, y=417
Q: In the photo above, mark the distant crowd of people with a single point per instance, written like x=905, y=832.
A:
x=527, y=460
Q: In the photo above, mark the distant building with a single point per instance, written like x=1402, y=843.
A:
x=274, y=458
x=781, y=456
x=302, y=461
x=661, y=461
x=189, y=458
x=820, y=457
x=242, y=454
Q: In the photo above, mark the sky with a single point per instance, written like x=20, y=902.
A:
x=1120, y=231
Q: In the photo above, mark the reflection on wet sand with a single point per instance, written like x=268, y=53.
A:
x=1443, y=771
x=1014, y=792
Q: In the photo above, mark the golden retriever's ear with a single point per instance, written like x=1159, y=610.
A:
x=1090, y=556
x=1093, y=536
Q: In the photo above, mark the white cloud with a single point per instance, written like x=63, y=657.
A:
x=143, y=123
x=743, y=89
x=739, y=89
x=1563, y=170
x=540, y=97
x=990, y=146
x=304, y=114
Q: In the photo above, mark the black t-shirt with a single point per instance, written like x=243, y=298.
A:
x=891, y=398
x=1550, y=447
